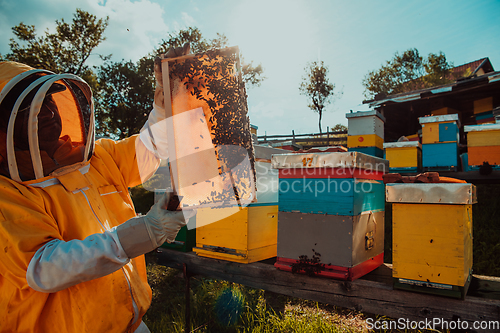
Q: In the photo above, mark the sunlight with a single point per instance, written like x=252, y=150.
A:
x=272, y=29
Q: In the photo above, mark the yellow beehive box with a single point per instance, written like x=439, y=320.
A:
x=365, y=140
x=483, y=144
x=483, y=105
x=432, y=237
x=483, y=135
x=243, y=235
x=443, y=111
x=403, y=156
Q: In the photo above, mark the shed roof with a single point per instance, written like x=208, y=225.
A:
x=462, y=84
x=472, y=67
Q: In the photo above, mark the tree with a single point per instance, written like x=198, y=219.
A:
x=252, y=75
x=339, y=128
x=127, y=88
x=125, y=98
x=316, y=86
x=65, y=51
x=407, y=72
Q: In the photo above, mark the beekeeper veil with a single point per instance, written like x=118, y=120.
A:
x=29, y=100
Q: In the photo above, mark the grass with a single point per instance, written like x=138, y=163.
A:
x=166, y=313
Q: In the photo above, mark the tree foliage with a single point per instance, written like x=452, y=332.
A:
x=123, y=91
x=65, y=51
x=316, y=86
x=252, y=75
x=125, y=98
x=339, y=128
x=407, y=72
x=127, y=88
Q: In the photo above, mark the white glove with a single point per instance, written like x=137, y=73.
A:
x=143, y=234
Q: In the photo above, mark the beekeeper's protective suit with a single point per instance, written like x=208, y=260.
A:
x=71, y=246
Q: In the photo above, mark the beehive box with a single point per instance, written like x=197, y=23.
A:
x=243, y=234
x=483, y=145
x=440, y=139
x=365, y=132
x=239, y=234
x=331, y=219
x=403, y=157
x=432, y=237
x=483, y=105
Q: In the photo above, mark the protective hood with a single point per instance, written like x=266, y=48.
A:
x=25, y=94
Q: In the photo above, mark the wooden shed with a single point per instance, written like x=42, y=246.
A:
x=472, y=98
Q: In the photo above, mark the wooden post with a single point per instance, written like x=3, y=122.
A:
x=187, y=296
x=275, y=302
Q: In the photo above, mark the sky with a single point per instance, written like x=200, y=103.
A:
x=351, y=37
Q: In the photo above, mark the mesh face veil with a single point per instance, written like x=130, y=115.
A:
x=70, y=96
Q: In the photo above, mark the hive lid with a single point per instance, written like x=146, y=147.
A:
x=266, y=152
x=439, y=193
x=439, y=119
x=481, y=128
x=365, y=114
x=330, y=160
x=402, y=144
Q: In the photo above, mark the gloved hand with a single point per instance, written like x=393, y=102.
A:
x=143, y=234
x=172, y=53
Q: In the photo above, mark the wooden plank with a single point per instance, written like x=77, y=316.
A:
x=363, y=295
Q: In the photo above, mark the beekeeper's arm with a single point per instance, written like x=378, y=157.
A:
x=59, y=264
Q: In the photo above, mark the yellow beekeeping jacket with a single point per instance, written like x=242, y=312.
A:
x=88, y=200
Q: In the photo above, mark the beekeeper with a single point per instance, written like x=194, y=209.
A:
x=71, y=257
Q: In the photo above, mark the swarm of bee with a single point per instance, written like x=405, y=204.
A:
x=214, y=80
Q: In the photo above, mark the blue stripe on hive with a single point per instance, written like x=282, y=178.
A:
x=373, y=151
x=331, y=196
